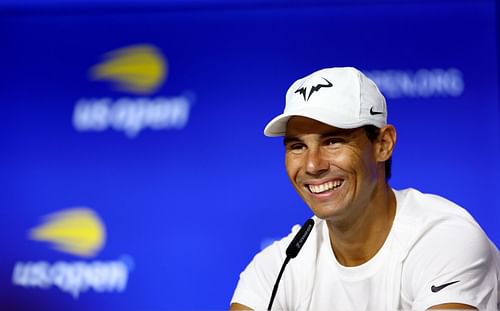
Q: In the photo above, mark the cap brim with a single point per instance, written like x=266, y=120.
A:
x=277, y=126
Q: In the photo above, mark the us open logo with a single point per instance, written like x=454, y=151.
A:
x=140, y=71
x=78, y=231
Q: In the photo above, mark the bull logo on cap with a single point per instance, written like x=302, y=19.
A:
x=314, y=86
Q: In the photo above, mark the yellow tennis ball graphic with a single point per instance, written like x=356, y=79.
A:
x=138, y=69
x=78, y=231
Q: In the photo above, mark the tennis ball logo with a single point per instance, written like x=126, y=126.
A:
x=139, y=69
x=78, y=231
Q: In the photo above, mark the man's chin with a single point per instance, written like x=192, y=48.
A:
x=330, y=211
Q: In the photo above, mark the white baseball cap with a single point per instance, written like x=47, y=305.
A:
x=342, y=97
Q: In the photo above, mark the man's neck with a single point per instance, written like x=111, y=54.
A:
x=357, y=241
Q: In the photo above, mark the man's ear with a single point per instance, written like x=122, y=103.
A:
x=385, y=143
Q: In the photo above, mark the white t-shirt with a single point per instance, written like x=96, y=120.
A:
x=435, y=253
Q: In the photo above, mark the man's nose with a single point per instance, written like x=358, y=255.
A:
x=316, y=163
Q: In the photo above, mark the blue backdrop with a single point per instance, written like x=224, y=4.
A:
x=138, y=132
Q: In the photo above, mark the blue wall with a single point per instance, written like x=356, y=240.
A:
x=178, y=174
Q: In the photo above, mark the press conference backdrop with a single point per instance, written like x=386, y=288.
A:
x=134, y=171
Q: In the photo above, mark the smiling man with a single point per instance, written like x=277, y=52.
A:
x=372, y=247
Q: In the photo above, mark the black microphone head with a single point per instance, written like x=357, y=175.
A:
x=298, y=241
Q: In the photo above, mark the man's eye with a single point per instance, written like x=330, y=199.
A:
x=296, y=147
x=334, y=141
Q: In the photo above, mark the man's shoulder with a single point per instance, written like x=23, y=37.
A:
x=425, y=207
x=431, y=219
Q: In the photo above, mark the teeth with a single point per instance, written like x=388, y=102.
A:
x=325, y=187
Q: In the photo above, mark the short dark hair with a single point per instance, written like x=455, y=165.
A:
x=372, y=133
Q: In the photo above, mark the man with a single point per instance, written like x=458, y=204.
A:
x=372, y=247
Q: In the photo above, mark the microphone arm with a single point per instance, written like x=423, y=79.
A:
x=291, y=252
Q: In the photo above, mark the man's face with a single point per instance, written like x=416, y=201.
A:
x=334, y=170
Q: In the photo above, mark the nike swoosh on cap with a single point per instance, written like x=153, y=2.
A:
x=436, y=289
x=375, y=112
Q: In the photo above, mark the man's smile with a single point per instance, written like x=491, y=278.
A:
x=325, y=187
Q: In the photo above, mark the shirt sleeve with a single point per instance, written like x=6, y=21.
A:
x=257, y=280
x=453, y=262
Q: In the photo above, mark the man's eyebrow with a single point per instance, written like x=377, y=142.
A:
x=290, y=139
x=336, y=132
x=340, y=132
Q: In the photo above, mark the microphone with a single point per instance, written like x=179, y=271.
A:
x=291, y=252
